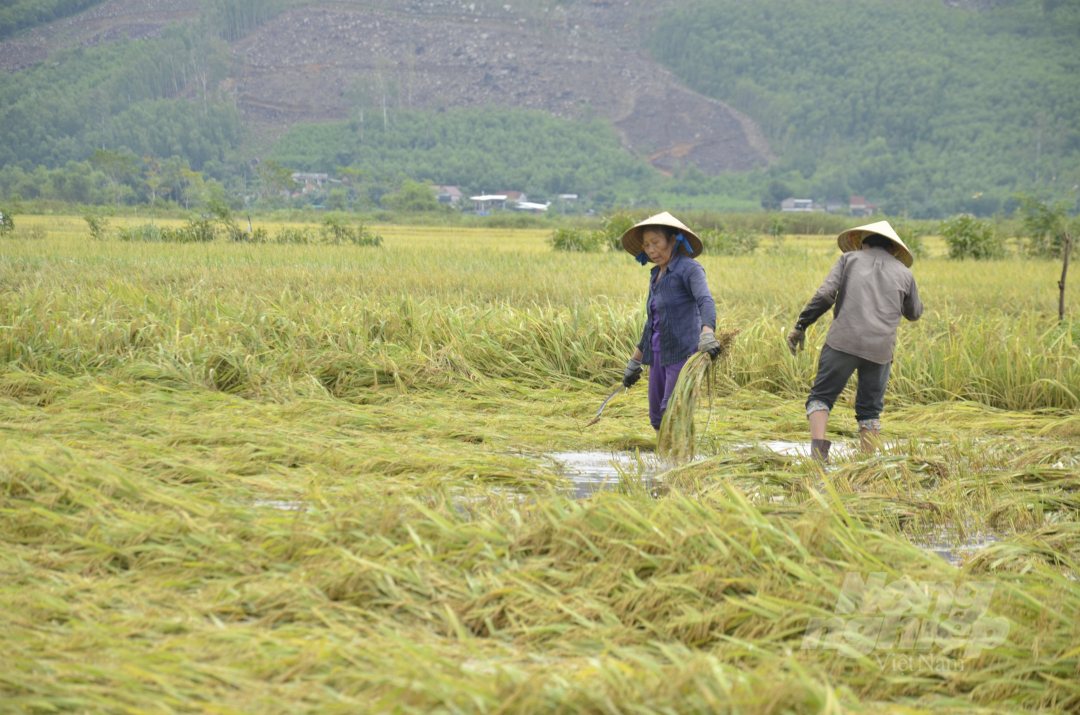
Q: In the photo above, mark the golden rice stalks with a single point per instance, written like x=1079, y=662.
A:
x=677, y=433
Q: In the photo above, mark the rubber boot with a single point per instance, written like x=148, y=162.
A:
x=819, y=450
x=870, y=440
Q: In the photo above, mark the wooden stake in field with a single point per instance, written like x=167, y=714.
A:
x=1064, y=273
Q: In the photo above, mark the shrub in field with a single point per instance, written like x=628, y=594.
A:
x=719, y=242
x=336, y=231
x=196, y=231
x=1045, y=224
x=609, y=235
x=613, y=226
x=147, y=232
x=367, y=238
x=969, y=237
x=300, y=236
x=7, y=221
x=96, y=224
x=576, y=239
x=257, y=235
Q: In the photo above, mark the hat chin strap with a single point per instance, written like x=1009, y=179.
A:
x=642, y=258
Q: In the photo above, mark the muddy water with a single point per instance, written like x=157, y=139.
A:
x=591, y=472
x=798, y=449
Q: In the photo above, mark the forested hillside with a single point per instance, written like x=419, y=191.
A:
x=925, y=108
x=152, y=97
x=18, y=15
x=483, y=149
x=931, y=108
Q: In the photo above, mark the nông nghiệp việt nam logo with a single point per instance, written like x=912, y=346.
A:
x=909, y=618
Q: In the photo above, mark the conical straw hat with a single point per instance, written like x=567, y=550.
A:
x=851, y=240
x=633, y=238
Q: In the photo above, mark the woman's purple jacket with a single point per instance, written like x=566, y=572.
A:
x=684, y=304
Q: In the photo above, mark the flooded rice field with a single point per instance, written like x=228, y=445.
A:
x=595, y=471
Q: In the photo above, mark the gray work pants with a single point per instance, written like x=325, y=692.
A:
x=836, y=368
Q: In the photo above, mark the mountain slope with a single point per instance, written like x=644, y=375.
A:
x=588, y=60
x=928, y=105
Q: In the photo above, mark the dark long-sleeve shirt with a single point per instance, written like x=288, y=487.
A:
x=871, y=290
x=684, y=304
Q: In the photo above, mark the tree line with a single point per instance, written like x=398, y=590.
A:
x=489, y=149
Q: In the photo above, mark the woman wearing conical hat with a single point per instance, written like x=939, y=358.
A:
x=680, y=313
x=869, y=289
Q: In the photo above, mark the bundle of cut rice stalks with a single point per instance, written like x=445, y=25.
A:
x=677, y=430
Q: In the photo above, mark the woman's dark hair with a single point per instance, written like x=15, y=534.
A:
x=877, y=241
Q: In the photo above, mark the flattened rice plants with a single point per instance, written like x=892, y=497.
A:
x=302, y=477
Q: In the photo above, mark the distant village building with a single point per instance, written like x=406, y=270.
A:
x=790, y=205
x=515, y=196
x=486, y=202
x=858, y=206
x=531, y=207
x=448, y=195
x=834, y=206
x=305, y=178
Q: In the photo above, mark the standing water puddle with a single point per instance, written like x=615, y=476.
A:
x=592, y=472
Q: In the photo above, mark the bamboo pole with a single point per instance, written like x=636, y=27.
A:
x=1061, y=283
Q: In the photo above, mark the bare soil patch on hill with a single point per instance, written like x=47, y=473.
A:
x=111, y=21
x=300, y=67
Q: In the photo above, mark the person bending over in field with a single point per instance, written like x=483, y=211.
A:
x=869, y=288
x=680, y=315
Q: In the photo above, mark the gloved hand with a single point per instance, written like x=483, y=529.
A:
x=708, y=343
x=632, y=373
x=796, y=340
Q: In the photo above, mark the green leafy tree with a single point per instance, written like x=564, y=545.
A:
x=275, y=179
x=335, y=199
x=969, y=237
x=153, y=177
x=193, y=185
x=614, y=225
x=414, y=197
x=1045, y=223
x=115, y=165
x=97, y=224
